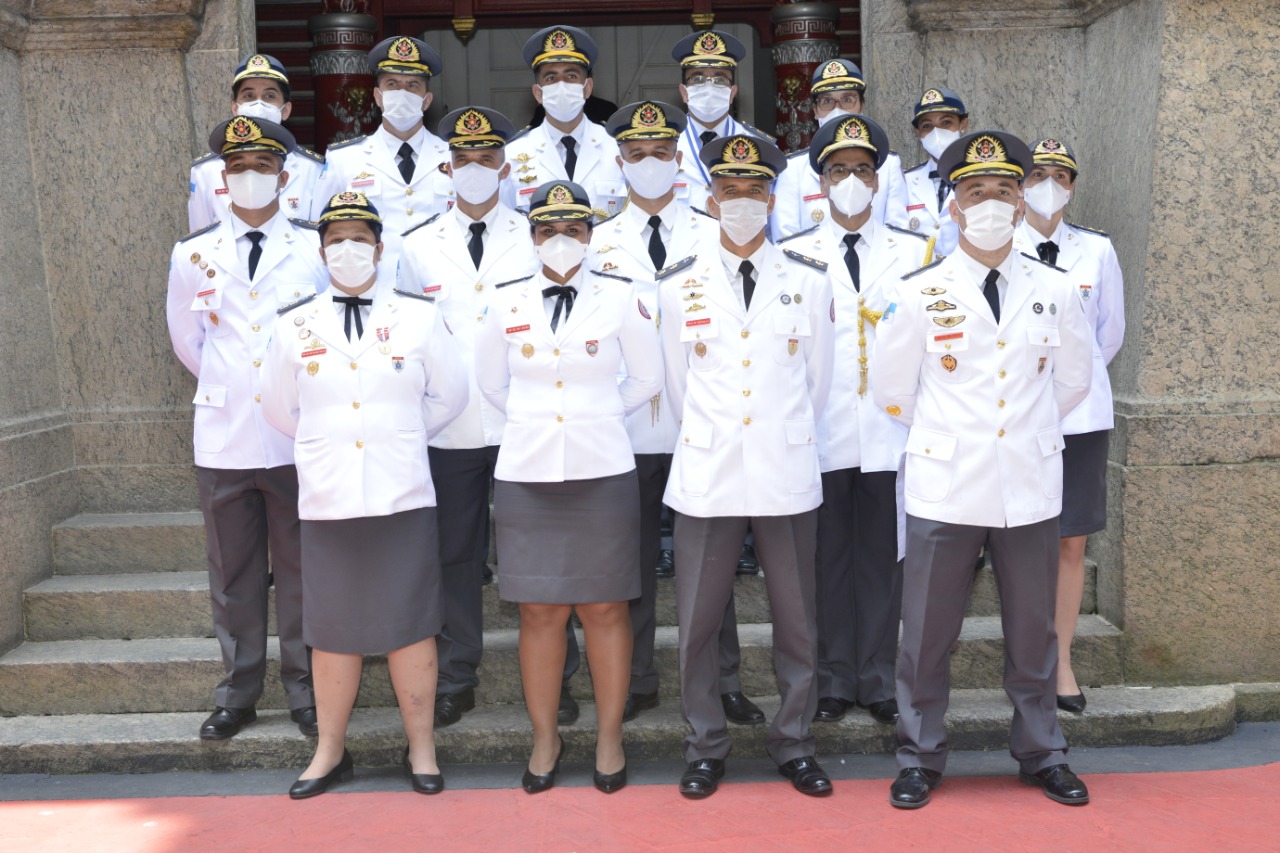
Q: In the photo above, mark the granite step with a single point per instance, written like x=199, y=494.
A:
x=179, y=674
x=978, y=720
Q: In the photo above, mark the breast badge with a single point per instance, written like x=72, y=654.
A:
x=593, y=347
x=793, y=344
x=1038, y=308
x=700, y=349
x=313, y=367
x=933, y=291
x=948, y=322
x=527, y=350
x=786, y=300
x=949, y=362
x=1040, y=367
x=940, y=305
x=397, y=363
x=1053, y=309
x=213, y=317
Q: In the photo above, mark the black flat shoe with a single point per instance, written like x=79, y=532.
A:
x=304, y=788
x=637, y=702
x=451, y=706
x=306, y=720
x=543, y=781
x=831, y=709
x=225, y=722
x=423, y=783
x=607, y=783
x=1075, y=704
x=666, y=564
x=567, y=713
x=702, y=777
x=911, y=789
x=1059, y=784
x=741, y=710
x=748, y=563
x=884, y=712
x=807, y=776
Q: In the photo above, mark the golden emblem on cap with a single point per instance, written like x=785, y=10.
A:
x=257, y=62
x=404, y=49
x=741, y=150
x=241, y=129
x=933, y=96
x=349, y=197
x=558, y=40
x=985, y=149
x=834, y=69
x=853, y=130
x=1048, y=146
x=471, y=123
x=560, y=194
x=648, y=115
x=709, y=44
x=948, y=322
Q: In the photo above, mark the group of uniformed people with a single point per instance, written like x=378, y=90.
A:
x=848, y=363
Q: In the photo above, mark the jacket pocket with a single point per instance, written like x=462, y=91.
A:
x=211, y=419
x=695, y=457
x=929, y=468
x=803, y=471
x=1050, y=442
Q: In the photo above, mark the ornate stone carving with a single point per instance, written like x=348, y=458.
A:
x=804, y=36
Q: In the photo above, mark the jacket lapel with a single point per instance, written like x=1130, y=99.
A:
x=770, y=281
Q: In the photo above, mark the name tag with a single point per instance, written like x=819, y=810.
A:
x=815, y=196
x=433, y=288
x=310, y=352
x=915, y=207
x=704, y=321
x=205, y=293
x=511, y=330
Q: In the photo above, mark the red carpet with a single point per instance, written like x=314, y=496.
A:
x=1211, y=810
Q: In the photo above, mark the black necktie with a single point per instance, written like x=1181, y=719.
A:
x=353, y=304
x=851, y=260
x=406, y=162
x=706, y=136
x=942, y=188
x=255, y=252
x=564, y=295
x=992, y=293
x=570, y=155
x=657, y=251
x=748, y=283
x=477, y=243
x=1048, y=252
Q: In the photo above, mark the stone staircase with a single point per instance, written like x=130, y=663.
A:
x=119, y=665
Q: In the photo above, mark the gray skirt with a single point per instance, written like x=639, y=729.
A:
x=1084, y=483
x=576, y=542
x=371, y=585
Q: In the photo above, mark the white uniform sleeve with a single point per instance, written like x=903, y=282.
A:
x=820, y=353
x=1110, y=332
x=674, y=357
x=279, y=376
x=448, y=388
x=894, y=186
x=1073, y=369
x=330, y=183
x=493, y=373
x=897, y=357
x=201, y=209
x=186, y=327
x=641, y=353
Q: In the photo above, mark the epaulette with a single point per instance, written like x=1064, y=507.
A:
x=303, y=301
x=419, y=225
x=700, y=211
x=346, y=143
x=915, y=168
x=305, y=223
x=808, y=230
x=758, y=132
x=611, y=218
x=611, y=275
x=204, y=158
x=806, y=260
x=803, y=152
x=1038, y=261
x=1090, y=230
x=197, y=233
x=674, y=268
x=303, y=151
x=512, y=281
x=906, y=231
x=524, y=131
x=922, y=269
x=412, y=295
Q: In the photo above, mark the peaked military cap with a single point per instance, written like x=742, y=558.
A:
x=243, y=133
x=260, y=65
x=560, y=44
x=646, y=120
x=475, y=127
x=1053, y=152
x=987, y=152
x=708, y=49
x=558, y=201
x=404, y=55
x=938, y=100
x=836, y=76
x=856, y=131
x=742, y=156
x=349, y=204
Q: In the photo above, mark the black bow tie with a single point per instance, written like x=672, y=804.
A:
x=353, y=304
x=564, y=294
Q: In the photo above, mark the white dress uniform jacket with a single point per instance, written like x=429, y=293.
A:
x=854, y=432
x=536, y=159
x=748, y=387
x=1094, y=270
x=220, y=323
x=983, y=401
x=209, y=199
x=566, y=410
x=435, y=260
x=361, y=411
x=693, y=181
x=923, y=216
x=620, y=249
x=800, y=202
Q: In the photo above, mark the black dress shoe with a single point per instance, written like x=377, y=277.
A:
x=423, y=783
x=225, y=722
x=911, y=789
x=702, y=777
x=609, y=782
x=807, y=776
x=884, y=712
x=449, y=706
x=304, y=788
x=1059, y=784
x=831, y=708
x=486, y=576
x=306, y=720
x=637, y=702
x=543, y=781
x=567, y=713
x=747, y=562
x=1075, y=704
x=666, y=563
x=741, y=710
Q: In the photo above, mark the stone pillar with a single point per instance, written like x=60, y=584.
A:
x=342, y=37
x=804, y=37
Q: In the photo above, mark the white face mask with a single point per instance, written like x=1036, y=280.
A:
x=250, y=190
x=402, y=109
x=350, y=263
x=988, y=225
x=1047, y=197
x=562, y=253
x=474, y=183
x=851, y=196
x=709, y=102
x=651, y=177
x=831, y=116
x=938, y=140
x=260, y=109
x=742, y=219
x=564, y=101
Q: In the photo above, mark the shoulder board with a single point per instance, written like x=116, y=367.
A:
x=203, y=230
x=892, y=153
x=346, y=143
x=806, y=260
x=906, y=231
x=524, y=131
x=922, y=269
x=701, y=212
x=1043, y=263
x=606, y=219
x=1090, y=230
x=409, y=293
x=419, y=225
x=305, y=223
x=808, y=230
x=758, y=132
x=303, y=151
x=672, y=269
x=303, y=301
x=204, y=158
x=611, y=275
x=803, y=152
x=512, y=281
x=916, y=168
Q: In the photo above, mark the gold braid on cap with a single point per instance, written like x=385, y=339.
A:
x=473, y=130
x=836, y=76
x=560, y=204
x=259, y=66
x=1051, y=152
x=985, y=155
x=348, y=205
x=559, y=46
x=740, y=154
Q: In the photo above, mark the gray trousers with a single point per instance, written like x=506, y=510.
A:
x=462, y=480
x=248, y=512
x=859, y=585
x=706, y=552
x=938, y=576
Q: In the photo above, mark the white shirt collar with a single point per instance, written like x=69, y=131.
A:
x=638, y=219
x=464, y=221
x=977, y=272
x=240, y=228
x=416, y=142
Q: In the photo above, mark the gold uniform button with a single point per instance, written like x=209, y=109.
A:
x=893, y=410
x=746, y=392
x=354, y=365
x=559, y=383
x=927, y=451
x=559, y=419
x=1000, y=434
x=746, y=421
x=359, y=445
x=1046, y=340
x=686, y=439
x=479, y=287
x=1000, y=404
x=555, y=352
x=746, y=362
x=745, y=333
x=356, y=404
x=1000, y=344
x=408, y=190
x=257, y=363
x=257, y=398
x=297, y=293
x=207, y=398
x=409, y=212
x=1001, y=374
x=256, y=327
x=253, y=294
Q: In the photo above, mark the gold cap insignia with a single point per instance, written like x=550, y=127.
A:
x=257, y=62
x=986, y=155
x=404, y=50
x=349, y=204
x=741, y=150
x=242, y=130
x=648, y=121
x=709, y=44
x=471, y=123
x=558, y=40
x=833, y=69
x=560, y=194
x=648, y=115
x=1051, y=152
x=985, y=149
x=933, y=96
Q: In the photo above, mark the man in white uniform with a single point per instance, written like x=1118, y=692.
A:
x=938, y=118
